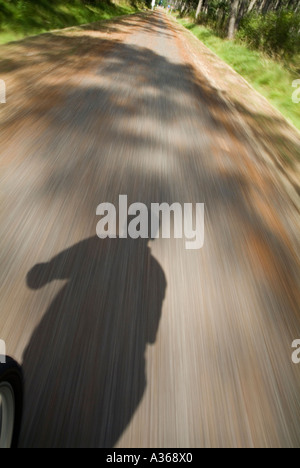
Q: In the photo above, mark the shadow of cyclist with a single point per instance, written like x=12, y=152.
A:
x=84, y=366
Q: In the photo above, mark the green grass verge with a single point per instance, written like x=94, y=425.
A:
x=19, y=19
x=272, y=79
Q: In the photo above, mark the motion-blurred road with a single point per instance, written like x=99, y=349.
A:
x=133, y=343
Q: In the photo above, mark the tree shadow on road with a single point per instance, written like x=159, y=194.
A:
x=103, y=118
x=84, y=366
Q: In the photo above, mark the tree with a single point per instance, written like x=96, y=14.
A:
x=235, y=4
x=251, y=5
x=199, y=8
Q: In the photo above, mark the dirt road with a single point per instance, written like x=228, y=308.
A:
x=136, y=343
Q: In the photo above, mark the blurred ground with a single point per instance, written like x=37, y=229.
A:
x=127, y=343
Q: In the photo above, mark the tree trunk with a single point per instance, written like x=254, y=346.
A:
x=251, y=6
x=262, y=5
x=242, y=11
x=199, y=8
x=267, y=6
x=233, y=18
x=183, y=7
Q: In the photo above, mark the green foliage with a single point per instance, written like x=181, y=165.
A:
x=216, y=16
x=271, y=78
x=5, y=11
x=273, y=33
x=19, y=18
x=275, y=30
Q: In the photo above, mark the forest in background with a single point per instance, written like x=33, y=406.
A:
x=272, y=26
x=260, y=39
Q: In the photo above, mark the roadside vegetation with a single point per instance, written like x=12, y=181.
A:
x=260, y=39
x=268, y=25
x=21, y=18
